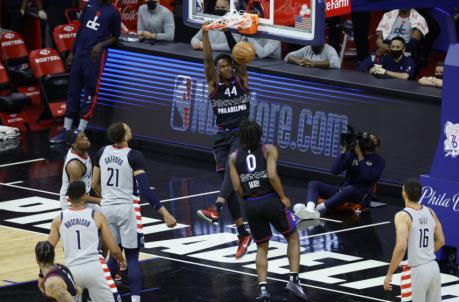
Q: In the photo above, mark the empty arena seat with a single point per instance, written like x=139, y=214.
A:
x=48, y=69
x=64, y=37
x=15, y=57
x=11, y=103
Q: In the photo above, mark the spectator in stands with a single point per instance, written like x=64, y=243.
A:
x=53, y=13
x=100, y=28
x=13, y=14
x=155, y=22
x=437, y=79
x=395, y=65
x=320, y=56
x=217, y=38
x=363, y=166
x=405, y=23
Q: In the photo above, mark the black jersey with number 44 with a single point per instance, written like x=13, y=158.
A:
x=230, y=103
x=252, y=169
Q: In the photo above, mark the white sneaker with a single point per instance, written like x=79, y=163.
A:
x=305, y=214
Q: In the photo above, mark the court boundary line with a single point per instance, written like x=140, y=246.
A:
x=22, y=162
x=348, y=229
x=270, y=278
x=13, y=185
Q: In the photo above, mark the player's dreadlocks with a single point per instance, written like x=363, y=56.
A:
x=250, y=135
x=44, y=251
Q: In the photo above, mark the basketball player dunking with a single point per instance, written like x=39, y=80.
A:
x=418, y=230
x=253, y=170
x=80, y=229
x=227, y=84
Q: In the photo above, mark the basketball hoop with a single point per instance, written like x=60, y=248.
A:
x=245, y=22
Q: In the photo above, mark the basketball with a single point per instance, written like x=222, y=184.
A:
x=243, y=53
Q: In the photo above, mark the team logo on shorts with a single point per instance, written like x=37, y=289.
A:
x=451, y=144
x=9, y=36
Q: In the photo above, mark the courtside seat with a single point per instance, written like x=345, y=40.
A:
x=12, y=103
x=15, y=58
x=64, y=37
x=48, y=69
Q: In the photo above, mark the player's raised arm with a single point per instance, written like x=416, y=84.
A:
x=211, y=74
x=241, y=70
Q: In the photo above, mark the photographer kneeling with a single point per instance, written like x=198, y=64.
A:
x=363, y=166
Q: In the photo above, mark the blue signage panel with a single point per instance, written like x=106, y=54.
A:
x=165, y=99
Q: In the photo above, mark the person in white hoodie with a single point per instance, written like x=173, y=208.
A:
x=405, y=23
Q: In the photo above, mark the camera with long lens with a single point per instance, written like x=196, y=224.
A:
x=352, y=137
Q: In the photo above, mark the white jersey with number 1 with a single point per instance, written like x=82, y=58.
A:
x=80, y=236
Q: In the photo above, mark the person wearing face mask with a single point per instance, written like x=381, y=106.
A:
x=436, y=80
x=405, y=23
x=217, y=38
x=155, y=22
x=395, y=65
x=320, y=56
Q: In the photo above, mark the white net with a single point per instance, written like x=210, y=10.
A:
x=232, y=18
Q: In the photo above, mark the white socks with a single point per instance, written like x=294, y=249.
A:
x=135, y=298
x=68, y=123
x=82, y=125
x=310, y=206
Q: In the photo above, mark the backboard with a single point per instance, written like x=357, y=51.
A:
x=295, y=21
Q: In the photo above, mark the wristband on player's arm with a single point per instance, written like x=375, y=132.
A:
x=145, y=191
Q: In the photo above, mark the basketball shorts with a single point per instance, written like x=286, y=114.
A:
x=124, y=224
x=226, y=142
x=95, y=277
x=425, y=283
x=267, y=210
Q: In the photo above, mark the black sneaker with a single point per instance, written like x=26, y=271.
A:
x=264, y=295
x=296, y=290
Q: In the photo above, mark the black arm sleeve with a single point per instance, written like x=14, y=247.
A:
x=136, y=160
x=230, y=39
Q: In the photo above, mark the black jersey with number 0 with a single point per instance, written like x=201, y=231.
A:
x=230, y=103
x=64, y=273
x=252, y=169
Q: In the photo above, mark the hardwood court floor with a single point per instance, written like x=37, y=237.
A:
x=343, y=259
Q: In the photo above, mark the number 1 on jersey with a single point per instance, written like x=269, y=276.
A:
x=78, y=239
